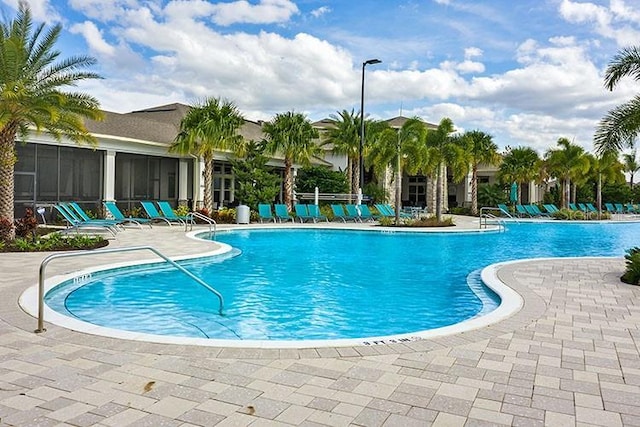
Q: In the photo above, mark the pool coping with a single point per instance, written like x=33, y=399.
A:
x=511, y=303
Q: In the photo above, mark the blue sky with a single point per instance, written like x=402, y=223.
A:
x=526, y=71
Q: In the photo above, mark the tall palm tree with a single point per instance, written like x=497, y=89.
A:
x=210, y=125
x=620, y=127
x=519, y=165
x=403, y=149
x=481, y=150
x=442, y=151
x=567, y=163
x=605, y=168
x=292, y=135
x=33, y=80
x=344, y=137
x=631, y=165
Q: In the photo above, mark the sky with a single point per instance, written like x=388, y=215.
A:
x=526, y=72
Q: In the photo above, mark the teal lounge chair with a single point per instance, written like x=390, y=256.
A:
x=383, y=211
x=153, y=214
x=591, y=208
x=74, y=223
x=352, y=211
x=314, y=212
x=365, y=213
x=302, y=213
x=119, y=216
x=282, y=213
x=537, y=212
x=504, y=209
x=551, y=208
x=167, y=212
x=619, y=208
x=630, y=208
x=264, y=213
x=573, y=207
x=78, y=213
x=392, y=211
x=521, y=211
x=610, y=208
x=339, y=213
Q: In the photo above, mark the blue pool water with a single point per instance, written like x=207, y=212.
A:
x=326, y=284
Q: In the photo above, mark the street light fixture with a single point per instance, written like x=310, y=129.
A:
x=360, y=160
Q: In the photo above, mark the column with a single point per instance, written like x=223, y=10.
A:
x=183, y=182
x=109, y=178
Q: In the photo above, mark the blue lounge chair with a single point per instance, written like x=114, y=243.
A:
x=392, y=211
x=537, y=212
x=504, y=209
x=339, y=213
x=619, y=208
x=610, y=208
x=119, y=216
x=314, y=212
x=74, y=223
x=265, y=213
x=521, y=211
x=591, y=208
x=353, y=211
x=167, y=212
x=551, y=208
x=302, y=213
x=383, y=211
x=282, y=214
x=630, y=208
x=78, y=213
x=530, y=211
x=573, y=207
x=153, y=214
x=365, y=213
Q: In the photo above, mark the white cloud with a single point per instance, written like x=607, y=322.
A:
x=266, y=11
x=103, y=10
x=94, y=38
x=41, y=10
x=316, y=13
x=618, y=22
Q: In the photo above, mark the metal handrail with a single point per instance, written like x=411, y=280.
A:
x=46, y=261
x=484, y=215
x=190, y=220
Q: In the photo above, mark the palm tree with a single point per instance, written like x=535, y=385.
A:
x=605, y=168
x=620, y=127
x=482, y=150
x=567, y=163
x=292, y=135
x=403, y=149
x=209, y=126
x=631, y=165
x=344, y=136
x=32, y=95
x=442, y=150
x=519, y=165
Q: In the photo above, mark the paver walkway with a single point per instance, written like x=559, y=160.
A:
x=569, y=357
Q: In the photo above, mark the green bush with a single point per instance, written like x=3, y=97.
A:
x=632, y=272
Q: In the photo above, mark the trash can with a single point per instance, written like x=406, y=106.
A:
x=243, y=214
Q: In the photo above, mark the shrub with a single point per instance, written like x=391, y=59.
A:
x=225, y=216
x=632, y=272
x=181, y=210
x=26, y=226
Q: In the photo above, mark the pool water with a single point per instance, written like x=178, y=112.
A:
x=327, y=284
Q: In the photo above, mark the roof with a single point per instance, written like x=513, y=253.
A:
x=399, y=121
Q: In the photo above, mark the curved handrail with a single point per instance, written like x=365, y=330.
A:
x=46, y=261
x=190, y=220
x=484, y=215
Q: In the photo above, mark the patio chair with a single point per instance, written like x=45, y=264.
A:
x=551, y=208
x=302, y=213
x=392, y=211
x=119, y=216
x=383, y=211
x=619, y=208
x=591, y=208
x=339, y=213
x=573, y=207
x=352, y=211
x=365, y=213
x=167, y=212
x=79, y=214
x=314, y=212
x=153, y=214
x=631, y=209
x=504, y=209
x=264, y=213
x=74, y=223
x=521, y=211
x=282, y=213
x=537, y=212
x=609, y=207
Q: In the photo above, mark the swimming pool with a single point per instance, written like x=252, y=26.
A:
x=329, y=284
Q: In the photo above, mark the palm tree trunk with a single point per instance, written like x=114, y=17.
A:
x=439, y=194
x=7, y=164
x=474, y=190
x=208, y=181
x=288, y=183
x=356, y=175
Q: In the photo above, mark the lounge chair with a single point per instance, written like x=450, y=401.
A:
x=167, y=212
x=392, y=211
x=630, y=208
x=78, y=213
x=265, y=213
x=610, y=208
x=352, y=211
x=302, y=213
x=591, y=208
x=537, y=212
x=530, y=211
x=521, y=211
x=314, y=212
x=573, y=207
x=551, y=208
x=339, y=213
x=619, y=208
x=119, y=216
x=282, y=214
x=153, y=214
x=365, y=213
x=75, y=223
x=383, y=211
x=504, y=209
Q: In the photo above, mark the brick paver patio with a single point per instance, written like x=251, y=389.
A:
x=568, y=358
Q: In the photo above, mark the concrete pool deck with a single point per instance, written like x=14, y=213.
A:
x=569, y=357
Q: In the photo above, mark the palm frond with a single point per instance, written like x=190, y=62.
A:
x=619, y=128
x=626, y=63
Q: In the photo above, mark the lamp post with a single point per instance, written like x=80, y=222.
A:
x=360, y=160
